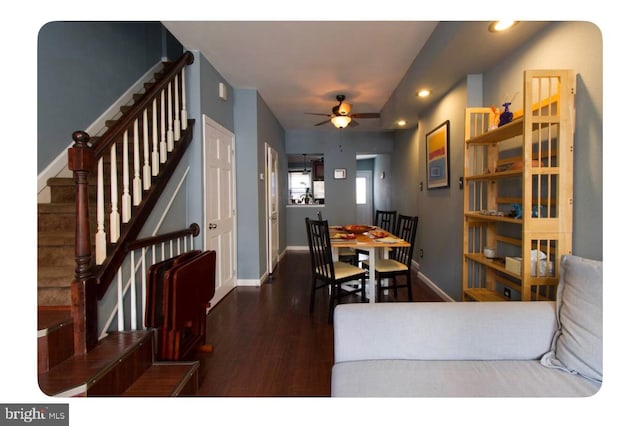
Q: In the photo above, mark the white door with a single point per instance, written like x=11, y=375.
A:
x=273, y=216
x=364, y=196
x=220, y=204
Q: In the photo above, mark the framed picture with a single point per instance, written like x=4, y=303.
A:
x=438, y=157
x=339, y=173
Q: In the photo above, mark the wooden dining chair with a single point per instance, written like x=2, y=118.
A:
x=345, y=254
x=399, y=261
x=384, y=219
x=327, y=273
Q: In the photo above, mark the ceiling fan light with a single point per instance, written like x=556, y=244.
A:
x=341, y=121
x=344, y=108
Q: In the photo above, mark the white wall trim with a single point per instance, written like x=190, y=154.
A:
x=171, y=201
x=431, y=284
x=58, y=167
x=248, y=283
x=297, y=248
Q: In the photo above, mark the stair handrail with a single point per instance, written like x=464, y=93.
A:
x=86, y=156
x=142, y=252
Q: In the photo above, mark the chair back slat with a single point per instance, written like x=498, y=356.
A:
x=406, y=228
x=386, y=219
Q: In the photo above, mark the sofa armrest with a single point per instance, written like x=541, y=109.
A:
x=443, y=330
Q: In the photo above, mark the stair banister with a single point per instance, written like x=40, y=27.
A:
x=91, y=281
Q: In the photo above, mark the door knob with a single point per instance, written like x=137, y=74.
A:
x=213, y=226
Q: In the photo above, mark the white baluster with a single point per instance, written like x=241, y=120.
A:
x=170, y=248
x=163, y=140
x=146, y=168
x=120, y=301
x=143, y=287
x=132, y=293
x=126, y=196
x=183, y=118
x=155, y=157
x=169, y=119
x=101, y=236
x=114, y=218
x=137, y=183
x=176, y=120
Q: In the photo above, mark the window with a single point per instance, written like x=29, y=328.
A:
x=361, y=190
x=306, y=178
x=299, y=182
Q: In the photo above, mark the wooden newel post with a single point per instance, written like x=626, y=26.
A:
x=84, y=287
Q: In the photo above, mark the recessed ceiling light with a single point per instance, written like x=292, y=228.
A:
x=498, y=26
x=423, y=93
x=402, y=123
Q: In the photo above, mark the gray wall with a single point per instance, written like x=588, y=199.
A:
x=83, y=67
x=575, y=45
x=255, y=125
x=339, y=148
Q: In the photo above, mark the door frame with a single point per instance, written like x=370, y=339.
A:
x=269, y=151
x=206, y=120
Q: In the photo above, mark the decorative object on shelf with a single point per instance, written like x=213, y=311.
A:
x=506, y=116
x=437, y=142
x=516, y=213
x=494, y=118
x=489, y=252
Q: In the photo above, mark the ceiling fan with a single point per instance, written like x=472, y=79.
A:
x=341, y=116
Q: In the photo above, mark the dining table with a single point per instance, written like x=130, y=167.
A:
x=376, y=241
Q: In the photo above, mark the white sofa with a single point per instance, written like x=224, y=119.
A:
x=489, y=349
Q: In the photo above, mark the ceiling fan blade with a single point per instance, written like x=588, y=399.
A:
x=317, y=113
x=353, y=123
x=366, y=115
x=322, y=122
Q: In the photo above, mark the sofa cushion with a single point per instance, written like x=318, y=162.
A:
x=415, y=378
x=577, y=344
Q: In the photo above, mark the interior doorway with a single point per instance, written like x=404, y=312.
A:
x=364, y=196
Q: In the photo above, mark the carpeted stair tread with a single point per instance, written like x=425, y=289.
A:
x=55, y=276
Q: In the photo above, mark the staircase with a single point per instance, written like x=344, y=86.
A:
x=123, y=363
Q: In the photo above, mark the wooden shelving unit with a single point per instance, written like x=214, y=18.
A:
x=528, y=162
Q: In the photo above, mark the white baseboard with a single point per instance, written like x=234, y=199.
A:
x=422, y=277
x=58, y=167
x=248, y=283
x=297, y=248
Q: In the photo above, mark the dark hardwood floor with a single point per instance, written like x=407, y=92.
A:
x=267, y=343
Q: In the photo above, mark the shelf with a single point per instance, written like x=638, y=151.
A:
x=490, y=218
x=505, y=132
x=498, y=175
x=484, y=295
x=496, y=265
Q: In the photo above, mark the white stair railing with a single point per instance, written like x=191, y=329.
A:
x=129, y=310
x=167, y=120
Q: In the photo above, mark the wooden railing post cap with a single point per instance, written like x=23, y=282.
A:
x=81, y=157
x=80, y=137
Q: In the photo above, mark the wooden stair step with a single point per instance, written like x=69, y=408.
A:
x=55, y=336
x=55, y=276
x=166, y=379
x=107, y=370
x=56, y=238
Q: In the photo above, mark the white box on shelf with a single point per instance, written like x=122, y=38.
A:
x=514, y=265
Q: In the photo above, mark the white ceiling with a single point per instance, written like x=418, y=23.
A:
x=300, y=66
